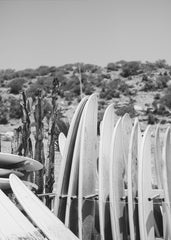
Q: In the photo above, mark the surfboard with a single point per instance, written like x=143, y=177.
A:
x=12, y=161
x=158, y=157
x=145, y=207
x=42, y=217
x=13, y=224
x=166, y=180
x=133, y=161
x=65, y=168
x=167, y=165
x=107, y=127
x=159, y=215
x=126, y=134
x=5, y=184
x=71, y=217
x=88, y=170
x=62, y=142
x=6, y=172
x=117, y=186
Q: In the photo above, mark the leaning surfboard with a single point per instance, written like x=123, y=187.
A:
x=126, y=134
x=12, y=161
x=62, y=142
x=5, y=184
x=107, y=127
x=46, y=221
x=65, y=168
x=6, y=172
x=117, y=186
x=87, y=169
x=167, y=165
x=133, y=161
x=71, y=217
x=13, y=224
x=158, y=157
x=166, y=182
x=158, y=183
x=145, y=207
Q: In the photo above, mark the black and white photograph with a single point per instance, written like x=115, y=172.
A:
x=85, y=120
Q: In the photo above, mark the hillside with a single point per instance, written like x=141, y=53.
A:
x=141, y=89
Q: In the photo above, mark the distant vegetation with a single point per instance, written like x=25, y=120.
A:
x=112, y=83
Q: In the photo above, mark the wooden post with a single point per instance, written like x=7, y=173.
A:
x=50, y=178
x=39, y=146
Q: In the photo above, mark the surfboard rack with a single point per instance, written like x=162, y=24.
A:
x=156, y=197
x=63, y=196
x=93, y=196
x=124, y=198
x=157, y=194
x=50, y=195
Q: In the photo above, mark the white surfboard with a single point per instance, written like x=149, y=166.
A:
x=47, y=222
x=158, y=157
x=62, y=142
x=6, y=172
x=126, y=134
x=159, y=209
x=5, y=184
x=88, y=169
x=166, y=182
x=133, y=161
x=117, y=185
x=145, y=207
x=167, y=165
x=13, y=224
x=12, y=161
x=71, y=217
x=107, y=127
x=65, y=168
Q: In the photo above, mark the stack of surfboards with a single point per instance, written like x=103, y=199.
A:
x=77, y=184
x=18, y=165
x=134, y=206
x=121, y=191
x=41, y=224
x=111, y=193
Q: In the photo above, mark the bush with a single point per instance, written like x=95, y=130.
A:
x=145, y=78
x=91, y=68
x=88, y=89
x=161, y=63
x=47, y=108
x=16, y=85
x=71, y=85
x=159, y=108
x=126, y=109
x=148, y=86
x=157, y=96
x=3, y=113
x=131, y=69
x=112, y=67
x=112, y=89
x=43, y=70
x=8, y=74
x=149, y=67
x=15, y=110
x=151, y=119
x=109, y=93
x=96, y=80
x=166, y=99
x=42, y=83
x=161, y=81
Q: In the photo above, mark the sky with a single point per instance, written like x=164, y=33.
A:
x=58, y=32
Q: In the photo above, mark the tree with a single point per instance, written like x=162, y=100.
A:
x=131, y=68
